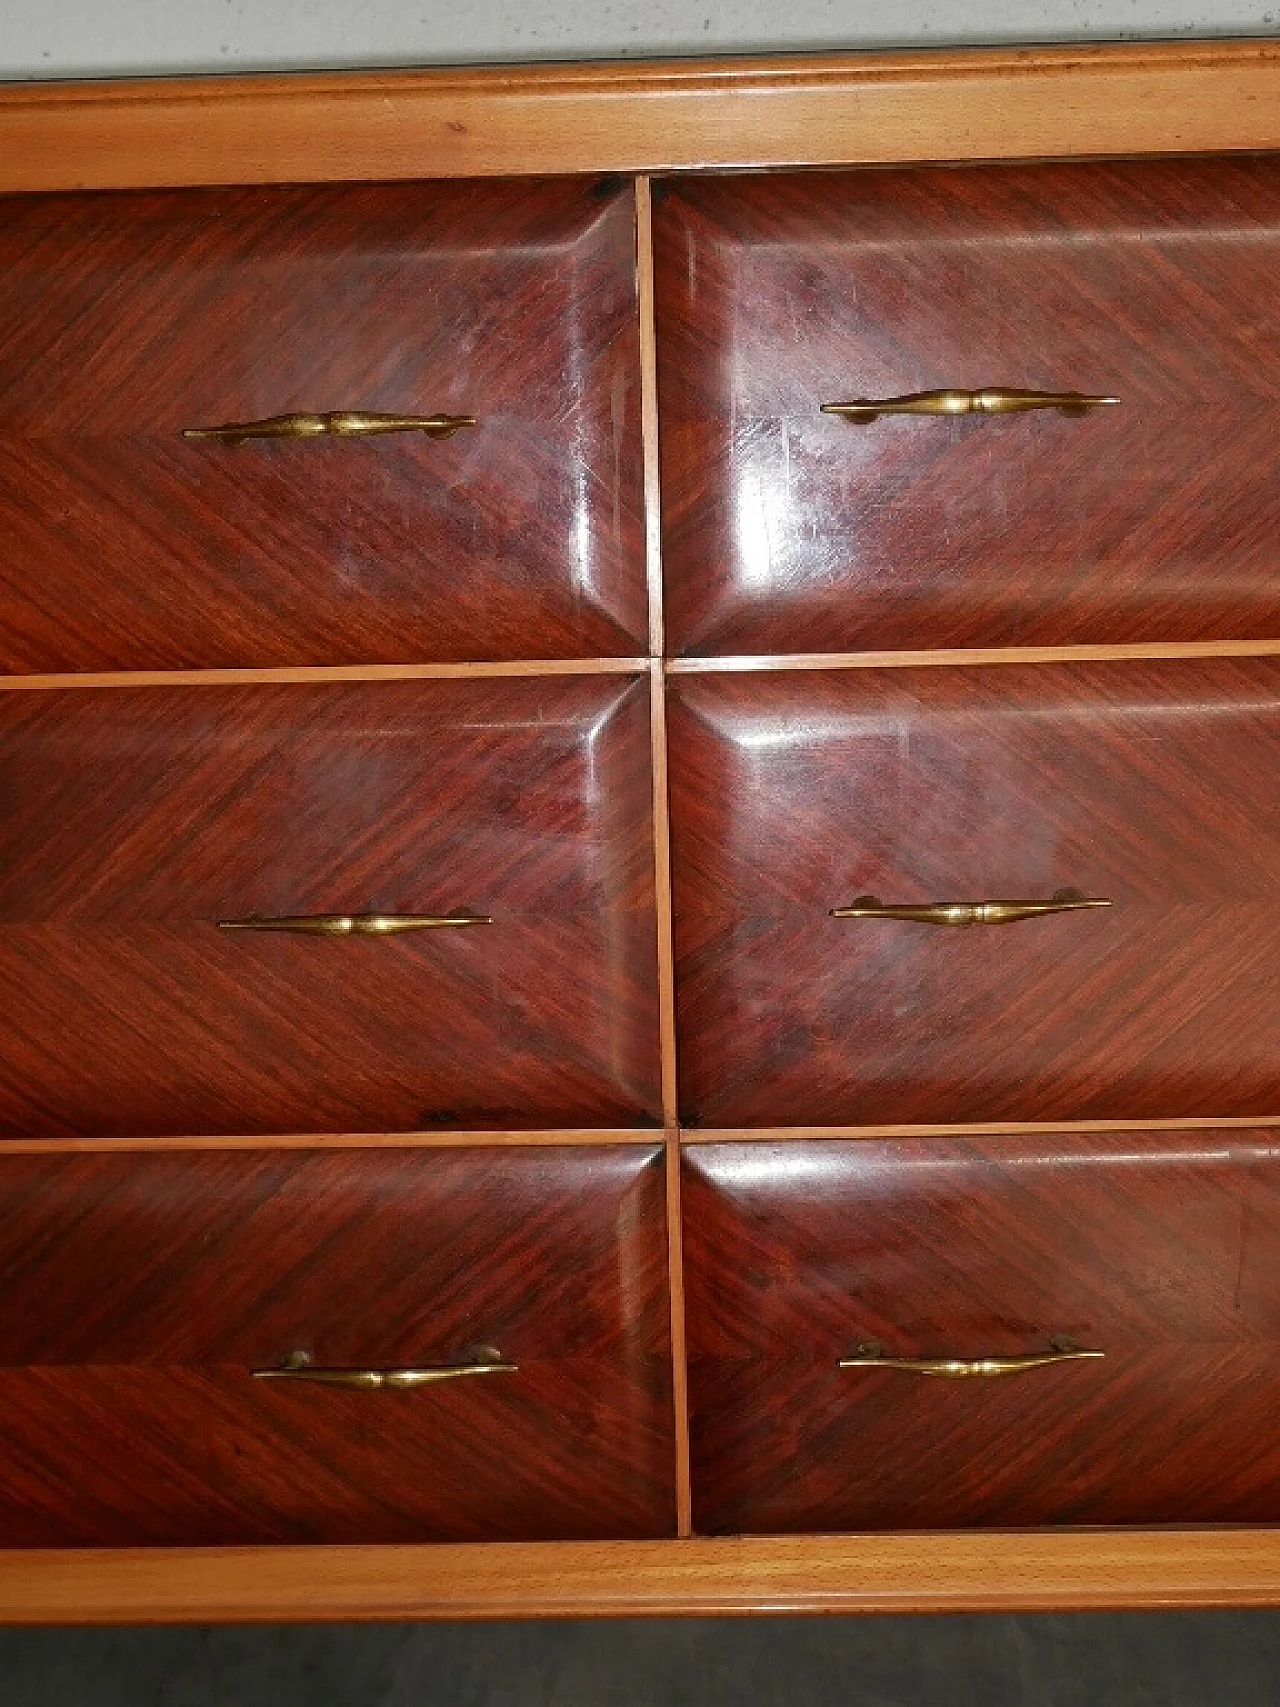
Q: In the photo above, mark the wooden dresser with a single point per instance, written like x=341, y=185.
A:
x=640, y=839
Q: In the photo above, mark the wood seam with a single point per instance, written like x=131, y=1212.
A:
x=679, y=1342
x=587, y=1137
x=962, y=657
x=992, y=1128
x=662, y=898
x=649, y=423
x=662, y=842
x=478, y=1139
x=306, y=673
x=537, y=667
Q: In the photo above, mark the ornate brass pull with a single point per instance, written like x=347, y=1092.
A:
x=872, y=1355
x=993, y=401
x=480, y=1360
x=356, y=924
x=962, y=913
x=345, y=424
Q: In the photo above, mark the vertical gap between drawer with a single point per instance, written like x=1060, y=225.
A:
x=649, y=414
x=667, y=1043
x=662, y=838
x=662, y=895
x=679, y=1367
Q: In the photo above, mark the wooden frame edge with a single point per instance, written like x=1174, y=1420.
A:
x=307, y=674
x=679, y=1342
x=530, y=1137
x=656, y=116
x=694, y=1135
x=968, y=656
x=1028, y=1571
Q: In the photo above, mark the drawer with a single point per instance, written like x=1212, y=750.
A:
x=1152, y=785
x=134, y=821
x=1159, y=1249
x=792, y=530
x=140, y=1294
x=126, y=319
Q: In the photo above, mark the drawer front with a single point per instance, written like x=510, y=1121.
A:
x=1155, y=786
x=792, y=530
x=139, y=1293
x=134, y=821
x=127, y=318
x=1161, y=1250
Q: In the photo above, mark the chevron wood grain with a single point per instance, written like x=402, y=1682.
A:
x=1152, y=784
x=126, y=318
x=789, y=530
x=1158, y=1249
x=132, y=821
x=138, y=1292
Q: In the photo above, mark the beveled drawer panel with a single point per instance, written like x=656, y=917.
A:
x=133, y=821
x=1161, y=1250
x=791, y=530
x=139, y=1293
x=126, y=319
x=1152, y=785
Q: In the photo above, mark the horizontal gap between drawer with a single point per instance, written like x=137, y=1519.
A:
x=651, y=1136
x=974, y=655
x=531, y=667
x=996, y=1128
x=586, y=1136
x=328, y=673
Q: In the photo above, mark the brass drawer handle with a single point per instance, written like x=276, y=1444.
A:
x=356, y=924
x=962, y=913
x=481, y=1360
x=993, y=401
x=345, y=424
x=872, y=1355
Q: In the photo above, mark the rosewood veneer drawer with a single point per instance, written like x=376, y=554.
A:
x=134, y=822
x=1154, y=786
x=126, y=319
x=140, y=1294
x=792, y=530
x=965, y=1261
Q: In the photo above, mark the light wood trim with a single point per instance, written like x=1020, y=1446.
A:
x=835, y=109
x=649, y=414
x=331, y=1141
x=679, y=1346
x=579, y=1137
x=988, y=1129
x=634, y=666
x=327, y=673
x=662, y=889
x=975, y=655
x=1026, y=1572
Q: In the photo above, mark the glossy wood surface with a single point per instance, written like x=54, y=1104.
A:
x=1151, y=783
x=125, y=319
x=841, y=109
x=788, y=110
x=789, y=530
x=1161, y=1251
x=137, y=1293
x=132, y=821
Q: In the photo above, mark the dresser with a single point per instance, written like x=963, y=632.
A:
x=640, y=839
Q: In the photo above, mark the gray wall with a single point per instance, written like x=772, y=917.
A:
x=76, y=38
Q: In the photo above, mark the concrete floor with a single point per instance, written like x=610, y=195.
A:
x=1127, y=1660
